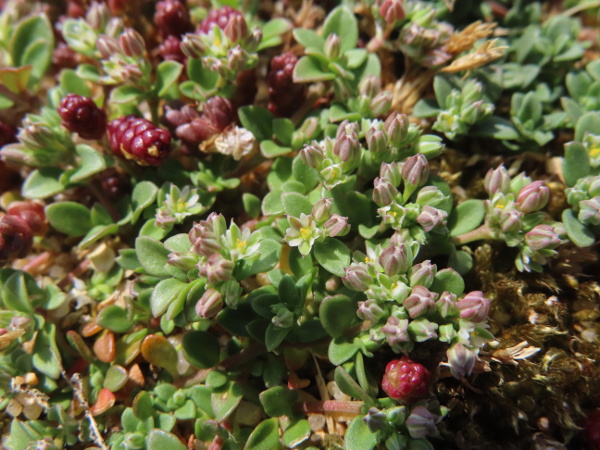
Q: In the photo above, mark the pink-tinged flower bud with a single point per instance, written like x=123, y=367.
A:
x=421, y=301
x=193, y=46
x=446, y=305
x=474, y=306
x=107, y=46
x=377, y=141
x=381, y=103
x=431, y=196
x=370, y=310
x=431, y=218
x=333, y=46
x=236, y=29
x=423, y=274
x=497, y=180
x=542, y=237
x=391, y=11
x=461, y=360
x=337, y=226
x=511, y=221
x=98, y=16
x=132, y=43
x=237, y=58
x=421, y=423
x=589, y=212
x=405, y=380
x=394, y=260
x=219, y=112
x=357, y=278
x=217, y=268
x=391, y=171
x=312, y=156
x=253, y=41
x=209, y=304
x=369, y=86
x=347, y=147
x=16, y=238
x=321, y=210
x=533, y=197
x=415, y=170
x=396, y=127
x=422, y=329
x=384, y=192
x=396, y=331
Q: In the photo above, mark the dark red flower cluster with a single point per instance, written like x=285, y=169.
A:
x=17, y=228
x=139, y=139
x=81, y=115
x=405, y=380
x=285, y=96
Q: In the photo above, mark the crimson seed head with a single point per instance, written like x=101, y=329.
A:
x=139, y=139
x=15, y=238
x=219, y=112
x=32, y=213
x=81, y=115
x=170, y=50
x=284, y=95
x=405, y=380
x=171, y=18
x=219, y=17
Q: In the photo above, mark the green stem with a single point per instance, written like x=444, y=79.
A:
x=483, y=232
x=579, y=8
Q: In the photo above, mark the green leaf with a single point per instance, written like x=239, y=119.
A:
x=163, y=294
x=349, y=386
x=578, y=233
x=337, y=313
x=283, y=129
x=69, y=217
x=270, y=149
x=359, y=437
x=426, y=107
x=22, y=435
x=448, y=280
x=143, y=195
x=167, y=74
x=466, y=217
x=33, y=43
x=588, y=123
x=296, y=433
x=342, y=350
x=114, y=318
x=152, y=255
x=269, y=251
x=126, y=94
x=224, y=400
x=257, y=120
x=15, y=295
x=151, y=229
x=71, y=83
x=309, y=39
x=295, y=204
x=162, y=440
x=264, y=436
x=443, y=87
x=201, y=349
x=96, y=233
x=91, y=162
x=308, y=70
x=275, y=27
x=88, y=72
x=46, y=357
x=343, y=23
x=43, y=183
x=278, y=401
x=274, y=336
x=495, y=127
x=576, y=164
x=333, y=256
x=305, y=174
x=251, y=204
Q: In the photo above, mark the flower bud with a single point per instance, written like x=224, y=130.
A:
x=337, y=226
x=395, y=331
x=497, y=180
x=519, y=182
x=132, y=43
x=431, y=196
x=209, y=304
x=423, y=274
x=421, y=423
x=357, y=278
x=461, y=360
x=377, y=141
x=98, y=16
x=431, y=218
x=236, y=59
x=589, y=212
x=219, y=112
x=333, y=47
x=415, y=170
x=384, y=193
x=446, y=304
x=422, y=329
x=474, y=307
x=347, y=147
x=594, y=186
x=253, y=41
x=391, y=171
x=391, y=11
x=376, y=420
x=511, y=220
x=370, y=310
x=321, y=210
x=542, y=237
x=405, y=380
x=217, y=268
x=32, y=213
x=193, y=46
x=421, y=301
x=312, y=156
x=381, y=103
x=533, y=197
x=237, y=28
x=396, y=127
x=16, y=239
x=283, y=318
x=369, y=86
x=394, y=260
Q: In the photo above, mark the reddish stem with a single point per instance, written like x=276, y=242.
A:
x=332, y=406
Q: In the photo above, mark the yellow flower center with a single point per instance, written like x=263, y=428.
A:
x=305, y=233
x=241, y=245
x=369, y=260
x=594, y=152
